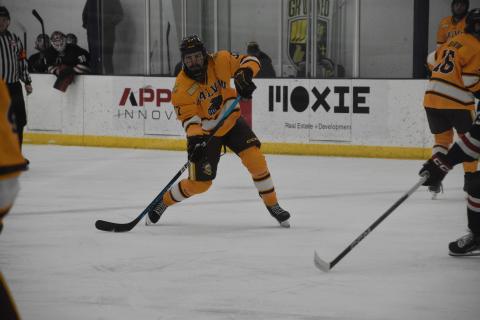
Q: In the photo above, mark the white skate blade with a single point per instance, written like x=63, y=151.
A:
x=320, y=264
x=474, y=253
x=285, y=224
x=148, y=222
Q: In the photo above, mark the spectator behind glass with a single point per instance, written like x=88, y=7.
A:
x=266, y=68
x=71, y=38
x=37, y=62
x=100, y=19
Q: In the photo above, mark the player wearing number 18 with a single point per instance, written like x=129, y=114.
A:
x=450, y=96
x=201, y=97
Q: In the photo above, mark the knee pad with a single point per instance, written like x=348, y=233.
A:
x=254, y=160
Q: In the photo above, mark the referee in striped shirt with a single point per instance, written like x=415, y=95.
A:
x=14, y=68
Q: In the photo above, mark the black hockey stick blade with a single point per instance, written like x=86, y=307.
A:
x=116, y=227
x=36, y=15
x=124, y=227
x=320, y=263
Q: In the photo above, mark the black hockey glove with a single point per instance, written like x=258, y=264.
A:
x=436, y=167
x=243, y=82
x=197, y=148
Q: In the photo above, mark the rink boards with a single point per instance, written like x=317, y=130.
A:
x=363, y=118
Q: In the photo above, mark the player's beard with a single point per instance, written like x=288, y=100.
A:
x=459, y=16
x=196, y=72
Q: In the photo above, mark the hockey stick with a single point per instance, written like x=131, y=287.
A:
x=124, y=227
x=22, y=27
x=326, y=266
x=168, y=49
x=36, y=15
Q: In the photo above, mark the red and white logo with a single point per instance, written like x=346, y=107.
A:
x=144, y=96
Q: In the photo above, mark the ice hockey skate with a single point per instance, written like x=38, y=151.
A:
x=435, y=190
x=281, y=215
x=468, y=245
x=154, y=215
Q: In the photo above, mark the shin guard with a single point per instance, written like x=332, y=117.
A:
x=473, y=203
x=254, y=160
x=442, y=141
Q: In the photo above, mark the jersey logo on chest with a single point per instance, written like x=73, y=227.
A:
x=212, y=90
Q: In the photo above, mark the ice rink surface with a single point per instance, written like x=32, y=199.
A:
x=220, y=255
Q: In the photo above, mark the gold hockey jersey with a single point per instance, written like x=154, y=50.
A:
x=455, y=75
x=200, y=106
x=448, y=29
x=11, y=159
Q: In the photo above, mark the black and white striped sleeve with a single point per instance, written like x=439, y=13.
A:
x=22, y=62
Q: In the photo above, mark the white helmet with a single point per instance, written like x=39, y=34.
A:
x=58, y=41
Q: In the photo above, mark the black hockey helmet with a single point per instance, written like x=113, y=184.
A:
x=4, y=12
x=461, y=14
x=191, y=44
x=473, y=18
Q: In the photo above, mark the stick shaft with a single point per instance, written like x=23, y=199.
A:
x=37, y=15
x=377, y=222
x=168, y=49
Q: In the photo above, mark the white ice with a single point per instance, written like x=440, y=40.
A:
x=220, y=255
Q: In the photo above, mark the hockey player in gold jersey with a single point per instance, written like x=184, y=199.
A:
x=11, y=164
x=453, y=25
x=466, y=148
x=11, y=160
x=201, y=95
x=448, y=28
x=450, y=96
